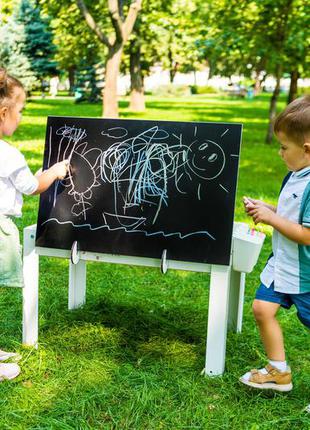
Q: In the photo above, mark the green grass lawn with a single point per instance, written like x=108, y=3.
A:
x=132, y=357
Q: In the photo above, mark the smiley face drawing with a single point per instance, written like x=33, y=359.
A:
x=205, y=159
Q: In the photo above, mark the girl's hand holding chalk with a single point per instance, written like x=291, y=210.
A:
x=61, y=169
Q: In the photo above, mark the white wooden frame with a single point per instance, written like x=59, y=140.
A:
x=225, y=300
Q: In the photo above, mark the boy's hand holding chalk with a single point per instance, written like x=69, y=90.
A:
x=248, y=203
x=259, y=210
x=251, y=204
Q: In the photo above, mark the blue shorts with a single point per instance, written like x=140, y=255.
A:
x=301, y=301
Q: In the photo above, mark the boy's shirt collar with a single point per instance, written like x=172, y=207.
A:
x=303, y=172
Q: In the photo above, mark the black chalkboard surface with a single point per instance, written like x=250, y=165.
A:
x=138, y=187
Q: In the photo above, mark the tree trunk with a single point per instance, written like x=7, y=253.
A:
x=173, y=66
x=273, y=105
x=211, y=69
x=208, y=73
x=258, y=82
x=71, y=78
x=110, y=102
x=115, y=44
x=137, y=101
x=171, y=76
x=173, y=72
x=259, y=75
x=292, y=95
x=263, y=79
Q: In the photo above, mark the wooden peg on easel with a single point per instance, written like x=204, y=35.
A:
x=164, y=263
x=75, y=253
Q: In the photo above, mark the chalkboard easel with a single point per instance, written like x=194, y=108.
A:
x=149, y=193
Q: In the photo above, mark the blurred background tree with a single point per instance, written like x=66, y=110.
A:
x=258, y=38
x=122, y=15
x=38, y=46
x=76, y=43
x=12, y=50
x=94, y=41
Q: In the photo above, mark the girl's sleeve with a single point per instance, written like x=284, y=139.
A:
x=11, y=161
x=24, y=181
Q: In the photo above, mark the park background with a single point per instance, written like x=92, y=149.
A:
x=132, y=357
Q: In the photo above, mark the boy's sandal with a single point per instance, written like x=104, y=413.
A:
x=272, y=373
x=273, y=379
x=257, y=376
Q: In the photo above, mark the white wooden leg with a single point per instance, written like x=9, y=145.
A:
x=77, y=284
x=31, y=287
x=236, y=300
x=217, y=320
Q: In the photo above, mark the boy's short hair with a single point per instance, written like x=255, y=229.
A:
x=294, y=121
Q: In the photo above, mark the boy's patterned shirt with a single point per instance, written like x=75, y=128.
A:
x=289, y=267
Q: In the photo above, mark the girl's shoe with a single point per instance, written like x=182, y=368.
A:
x=9, y=355
x=274, y=379
x=9, y=371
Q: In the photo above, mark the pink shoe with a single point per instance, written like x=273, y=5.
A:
x=4, y=355
x=9, y=371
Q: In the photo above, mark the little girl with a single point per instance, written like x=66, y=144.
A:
x=16, y=179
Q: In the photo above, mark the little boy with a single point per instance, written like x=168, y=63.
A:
x=285, y=280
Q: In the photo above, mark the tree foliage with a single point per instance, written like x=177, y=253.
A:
x=252, y=35
x=258, y=35
x=146, y=36
x=6, y=10
x=38, y=46
x=76, y=43
x=178, y=25
x=12, y=55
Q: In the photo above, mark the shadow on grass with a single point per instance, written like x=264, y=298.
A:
x=173, y=309
x=137, y=323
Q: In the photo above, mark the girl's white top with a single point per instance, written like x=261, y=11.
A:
x=16, y=179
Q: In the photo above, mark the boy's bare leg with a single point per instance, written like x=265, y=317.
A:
x=270, y=330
